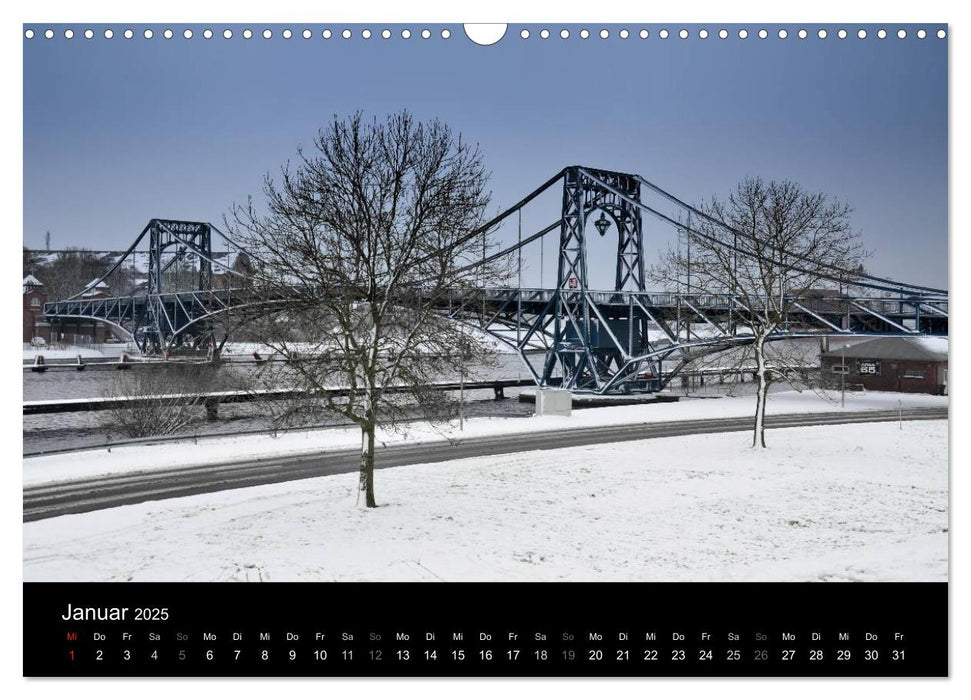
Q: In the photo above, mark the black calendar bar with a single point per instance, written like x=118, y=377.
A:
x=478, y=629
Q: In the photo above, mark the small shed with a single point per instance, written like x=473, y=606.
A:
x=913, y=365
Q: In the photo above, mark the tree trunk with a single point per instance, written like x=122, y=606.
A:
x=216, y=350
x=367, y=465
x=758, y=437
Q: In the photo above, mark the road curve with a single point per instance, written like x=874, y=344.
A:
x=84, y=495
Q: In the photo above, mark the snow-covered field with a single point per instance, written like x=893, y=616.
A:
x=62, y=353
x=246, y=349
x=852, y=502
x=98, y=462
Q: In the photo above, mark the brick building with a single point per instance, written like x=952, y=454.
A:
x=68, y=331
x=34, y=297
x=913, y=365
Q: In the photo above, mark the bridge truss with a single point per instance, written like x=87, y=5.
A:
x=154, y=315
x=585, y=339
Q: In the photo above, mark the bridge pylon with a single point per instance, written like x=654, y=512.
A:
x=191, y=241
x=586, y=351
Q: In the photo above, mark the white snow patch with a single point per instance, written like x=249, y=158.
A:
x=853, y=502
x=932, y=343
x=62, y=353
x=98, y=462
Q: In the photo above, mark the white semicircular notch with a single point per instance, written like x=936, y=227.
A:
x=485, y=34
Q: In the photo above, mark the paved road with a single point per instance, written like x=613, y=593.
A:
x=83, y=495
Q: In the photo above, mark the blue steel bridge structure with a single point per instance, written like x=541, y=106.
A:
x=588, y=340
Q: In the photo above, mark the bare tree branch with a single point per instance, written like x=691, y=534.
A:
x=366, y=236
x=790, y=241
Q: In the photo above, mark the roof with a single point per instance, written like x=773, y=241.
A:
x=31, y=283
x=923, y=349
x=231, y=260
x=94, y=288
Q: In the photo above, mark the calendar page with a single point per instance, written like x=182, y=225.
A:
x=545, y=349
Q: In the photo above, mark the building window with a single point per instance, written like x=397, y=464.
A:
x=841, y=369
x=35, y=303
x=913, y=374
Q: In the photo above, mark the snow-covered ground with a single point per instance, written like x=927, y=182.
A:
x=65, y=353
x=101, y=461
x=853, y=502
x=231, y=349
x=246, y=349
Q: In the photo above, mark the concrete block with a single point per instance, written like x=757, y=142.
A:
x=553, y=402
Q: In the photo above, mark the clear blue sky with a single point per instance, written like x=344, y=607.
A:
x=119, y=131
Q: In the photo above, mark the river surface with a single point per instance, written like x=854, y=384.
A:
x=60, y=431
x=68, y=430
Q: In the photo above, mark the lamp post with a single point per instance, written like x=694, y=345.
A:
x=843, y=376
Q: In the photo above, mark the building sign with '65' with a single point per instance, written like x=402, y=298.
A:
x=870, y=367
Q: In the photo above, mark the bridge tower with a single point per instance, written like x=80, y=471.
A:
x=192, y=243
x=589, y=347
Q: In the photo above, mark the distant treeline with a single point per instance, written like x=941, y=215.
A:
x=66, y=272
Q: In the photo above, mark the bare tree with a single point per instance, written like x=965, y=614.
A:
x=70, y=271
x=368, y=239
x=180, y=271
x=767, y=247
x=32, y=261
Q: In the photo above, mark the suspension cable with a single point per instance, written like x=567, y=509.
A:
x=511, y=249
x=117, y=264
x=847, y=275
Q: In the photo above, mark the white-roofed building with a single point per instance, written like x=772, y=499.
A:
x=34, y=297
x=96, y=289
x=914, y=365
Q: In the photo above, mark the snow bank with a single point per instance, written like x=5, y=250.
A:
x=62, y=353
x=853, y=502
x=232, y=349
x=89, y=463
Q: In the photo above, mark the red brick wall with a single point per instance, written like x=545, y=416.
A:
x=33, y=314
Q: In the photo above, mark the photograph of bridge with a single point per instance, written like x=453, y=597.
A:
x=654, y=334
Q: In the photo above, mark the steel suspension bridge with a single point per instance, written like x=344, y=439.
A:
x=585, y=339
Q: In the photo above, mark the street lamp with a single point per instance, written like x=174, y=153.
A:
x=843, y=376
x=602, y=224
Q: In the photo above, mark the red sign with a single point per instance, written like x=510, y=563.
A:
x=573, y=283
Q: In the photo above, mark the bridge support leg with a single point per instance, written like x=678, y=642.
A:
x=499, y=394
x=212, y=410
